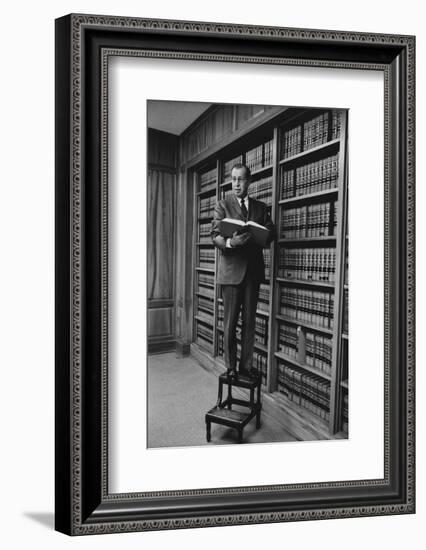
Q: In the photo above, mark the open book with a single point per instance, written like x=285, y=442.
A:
x=259, y=233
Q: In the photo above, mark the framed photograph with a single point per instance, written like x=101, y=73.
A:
x=234, y=274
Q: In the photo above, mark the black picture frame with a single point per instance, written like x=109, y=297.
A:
x=83, y=45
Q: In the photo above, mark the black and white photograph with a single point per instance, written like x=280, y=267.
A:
x=219, y=190
x=203, y=202
x=247, y=274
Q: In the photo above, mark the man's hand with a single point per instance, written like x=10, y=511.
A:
x=240, y=239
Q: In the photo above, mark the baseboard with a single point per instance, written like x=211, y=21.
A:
x=161, y=347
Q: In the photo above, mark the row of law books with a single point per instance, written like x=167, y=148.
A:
x=310, y=178
x=314, y=220
x=260, y=156
x=313, y=307
x=204, y=233
x=205, y=281
x=207, y=205
x=291, y=142
x=205, y=316
x=206, y=291
x=261, y=330
x=317, y=131
x=288, y=340
x=307, y=264
x=261, y=190
x=206, y=258
x=205, y=333
x=205, y=304
x=336, y=124
x=318, y=351
x=207, y=179
x=268, y=152
x=267, y=261
x=307, y=390
x=254, y=158
x=263, y=300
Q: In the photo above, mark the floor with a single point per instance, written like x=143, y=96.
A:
x=180, y=392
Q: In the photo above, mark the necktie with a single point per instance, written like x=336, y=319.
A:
x=244, y=209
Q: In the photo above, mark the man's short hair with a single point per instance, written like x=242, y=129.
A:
x=240, y=165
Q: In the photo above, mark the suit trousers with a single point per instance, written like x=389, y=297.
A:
x=242, y=297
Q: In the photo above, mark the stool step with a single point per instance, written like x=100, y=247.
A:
x=229, y=417
x=240, y=381
x=223, y=413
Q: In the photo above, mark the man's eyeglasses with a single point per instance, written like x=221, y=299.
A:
x=239, y=179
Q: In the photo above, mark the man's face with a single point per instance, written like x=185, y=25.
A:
x=240, y=182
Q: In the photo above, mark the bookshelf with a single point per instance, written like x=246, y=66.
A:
x=205, y=298
x=298, y=165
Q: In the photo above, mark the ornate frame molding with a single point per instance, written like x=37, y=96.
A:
x=87, y=507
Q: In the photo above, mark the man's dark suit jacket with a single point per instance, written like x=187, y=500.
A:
x=234, y=262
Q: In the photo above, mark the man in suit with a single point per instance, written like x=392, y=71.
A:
x=241, y=268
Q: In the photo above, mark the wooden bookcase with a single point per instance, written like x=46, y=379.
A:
x=298, y=162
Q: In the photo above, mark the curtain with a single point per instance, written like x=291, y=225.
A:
x=160, y=238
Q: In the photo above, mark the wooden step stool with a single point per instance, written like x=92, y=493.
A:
x=223, y=413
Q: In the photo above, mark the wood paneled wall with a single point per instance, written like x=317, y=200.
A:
x=216, y=125
x=161, y=220
x=184, y=261
x=162, y=149
x=161, y=202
